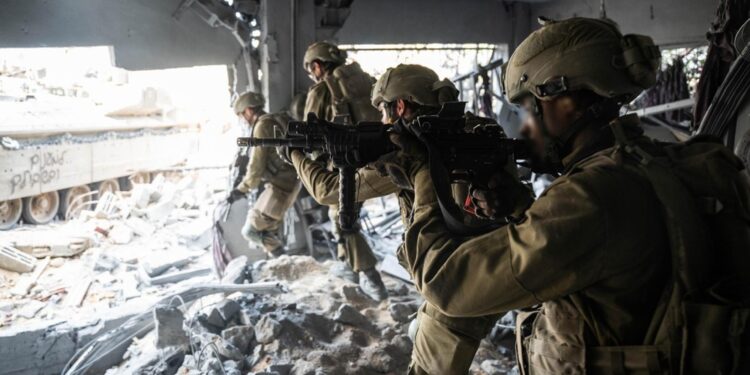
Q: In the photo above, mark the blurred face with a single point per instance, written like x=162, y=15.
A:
x=559, y=114
x=249, y=115
x=315, y=71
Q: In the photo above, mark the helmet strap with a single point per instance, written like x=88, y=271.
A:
x=555, y=148
x=597, y=113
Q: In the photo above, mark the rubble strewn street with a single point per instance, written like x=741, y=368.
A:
x=66, y=284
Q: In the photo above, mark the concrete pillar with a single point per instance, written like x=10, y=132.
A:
x=276, y=56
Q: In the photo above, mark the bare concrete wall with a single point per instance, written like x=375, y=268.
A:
x=427, y=21
x=669, y=22
x=143, y=32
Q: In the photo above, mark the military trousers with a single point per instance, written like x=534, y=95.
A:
x=447, y=345
x=352, y=247
x=265, y=217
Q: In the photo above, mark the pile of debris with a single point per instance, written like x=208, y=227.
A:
x=321, y=324
x=120, y=255
x=127, y=288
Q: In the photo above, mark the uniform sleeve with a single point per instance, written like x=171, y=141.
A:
x=319, y=102
x=323, y=184
x=259, y=156
x=554, y=252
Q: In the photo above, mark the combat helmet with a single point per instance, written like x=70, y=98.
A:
x=581, y=53
x=249, y=99
x=414, y=83
x=325, y=52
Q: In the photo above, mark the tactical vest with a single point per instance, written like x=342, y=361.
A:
x=702, y=324
x=350, y=89
x=277, y=171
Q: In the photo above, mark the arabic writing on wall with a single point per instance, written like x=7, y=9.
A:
x=43, y=168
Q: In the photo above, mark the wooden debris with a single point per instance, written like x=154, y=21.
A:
x=24, y=284
x=78, y=292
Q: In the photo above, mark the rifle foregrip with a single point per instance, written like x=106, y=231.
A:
x=347, y=199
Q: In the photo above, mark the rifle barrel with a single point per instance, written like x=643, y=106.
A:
x=273, y=142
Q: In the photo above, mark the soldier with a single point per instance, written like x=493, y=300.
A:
x=279, y=180
x=342, y=91
x=593, y=249
x=447, y=345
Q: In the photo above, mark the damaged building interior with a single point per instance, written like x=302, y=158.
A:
x=299, y=187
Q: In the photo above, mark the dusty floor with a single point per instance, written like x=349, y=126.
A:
x=155, y=240
x=323, y=324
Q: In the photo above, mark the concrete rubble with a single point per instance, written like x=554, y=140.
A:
x=140, y=297
x=95, y=267
x=321, y=324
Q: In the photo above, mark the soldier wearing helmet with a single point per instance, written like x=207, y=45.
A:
x=279, y=181
x=592, y=249
x=443, y=344
x=248, y=107
x=341, y=92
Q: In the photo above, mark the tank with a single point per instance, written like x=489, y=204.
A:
x=57, y=157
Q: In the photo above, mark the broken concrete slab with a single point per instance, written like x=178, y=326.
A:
x=140, y=227
x=31, y=308
x=267, y=329
x=51, y=243
x=228, y=309
x=237, y=271
x=177, y=276
x=28, y=281
x=168, y=322
x=239, y=336
x=158, y=263
x=402, y=312
x=347, y=314
x=120, y=234
x=14, y=260
x=78, y=292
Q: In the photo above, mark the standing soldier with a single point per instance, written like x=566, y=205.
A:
x=447, y=345
x=279, y=179
x=342, y=93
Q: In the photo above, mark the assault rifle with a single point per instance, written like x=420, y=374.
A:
x=456, y=154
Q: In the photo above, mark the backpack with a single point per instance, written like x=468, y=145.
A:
x=702, y=324
x=350, y=89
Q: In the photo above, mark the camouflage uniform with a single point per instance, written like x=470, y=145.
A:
x=352, y=247
x=281, y=185
x=592, y=249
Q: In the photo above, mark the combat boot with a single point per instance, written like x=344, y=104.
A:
x=372, y=285
x=343, y=270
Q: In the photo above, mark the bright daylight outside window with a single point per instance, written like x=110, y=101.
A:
x=450, y=61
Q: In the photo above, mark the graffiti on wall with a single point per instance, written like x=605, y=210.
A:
x=43, y=168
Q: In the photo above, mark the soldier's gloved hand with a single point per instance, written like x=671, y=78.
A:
x=285, y=153
x=234, y=195
x=401, y=166
x=504, y=196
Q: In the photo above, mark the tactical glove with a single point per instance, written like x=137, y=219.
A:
x=234, y=195
x=505, y=196
x=402, y=165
